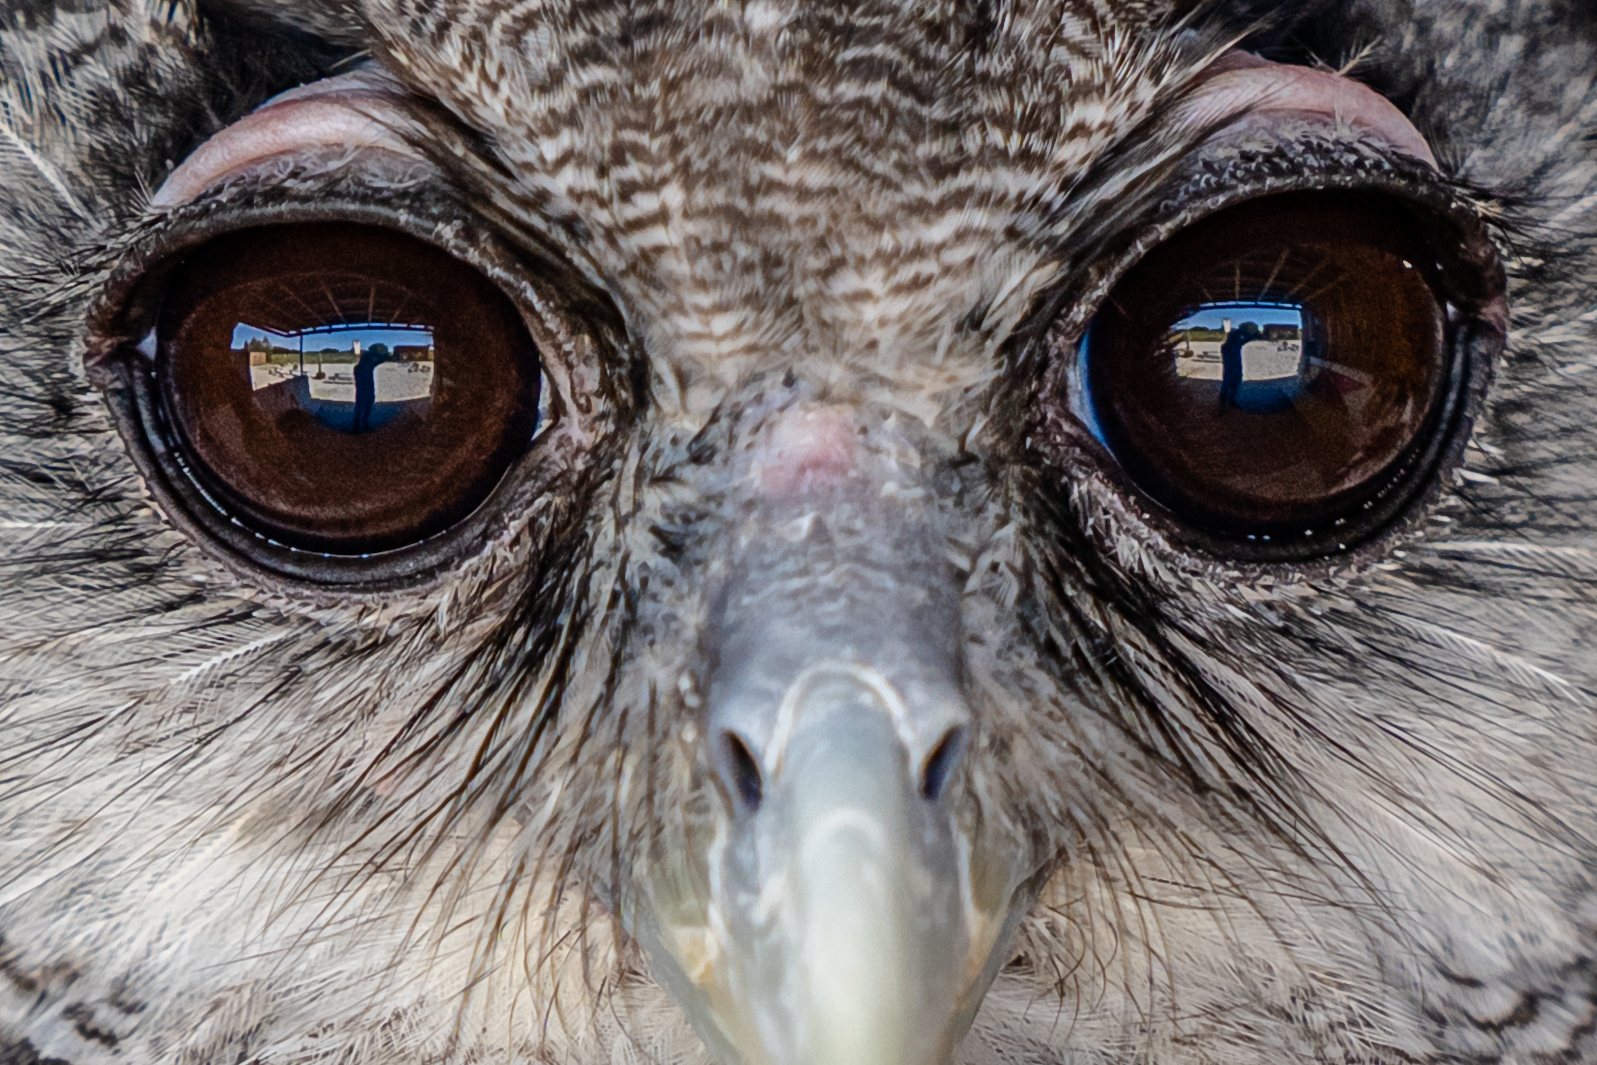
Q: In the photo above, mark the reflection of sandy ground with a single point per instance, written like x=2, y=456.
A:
x=267, y=376
x=1262, y=360
x=396, y=382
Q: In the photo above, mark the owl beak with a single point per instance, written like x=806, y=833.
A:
x=849, y=904
x=850, y=917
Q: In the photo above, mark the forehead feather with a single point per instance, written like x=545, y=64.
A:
x=776, y=182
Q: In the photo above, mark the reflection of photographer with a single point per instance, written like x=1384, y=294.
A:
x=366, y=363
x=1231, y=360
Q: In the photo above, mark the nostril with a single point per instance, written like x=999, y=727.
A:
x=744, y=770
x=939, y=764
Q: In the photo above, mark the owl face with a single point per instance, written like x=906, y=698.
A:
x=786, y=535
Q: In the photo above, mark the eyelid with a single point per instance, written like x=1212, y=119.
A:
x=1244, y=86
x=359, y=110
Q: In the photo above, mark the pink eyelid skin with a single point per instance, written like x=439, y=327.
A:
x=1241, y=83
x=358, y=110
x=352, y=111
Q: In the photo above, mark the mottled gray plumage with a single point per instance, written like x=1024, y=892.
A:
x=1324, y=812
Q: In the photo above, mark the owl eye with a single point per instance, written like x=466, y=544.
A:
x=1274, y=370
x=342, y=388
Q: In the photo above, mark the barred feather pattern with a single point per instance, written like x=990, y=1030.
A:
x=1321, y=814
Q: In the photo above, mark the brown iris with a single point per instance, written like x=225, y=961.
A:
x=344, y=388
x=1270, y=368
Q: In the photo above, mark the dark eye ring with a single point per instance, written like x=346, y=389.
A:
x=1279, y=375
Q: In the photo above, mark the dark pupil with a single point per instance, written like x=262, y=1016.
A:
x=343, y=388
x=1268, y=369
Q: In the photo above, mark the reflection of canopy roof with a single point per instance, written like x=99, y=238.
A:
x=327, y=303
x=1286, y=305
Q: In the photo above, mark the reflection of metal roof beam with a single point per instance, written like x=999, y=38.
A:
x=328, y=299
x=352, y=327
x=332, y=299
x=1217, y=304
x=295, y=296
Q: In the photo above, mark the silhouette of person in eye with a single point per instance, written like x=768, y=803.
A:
x=1231, y=361
x=366, y=363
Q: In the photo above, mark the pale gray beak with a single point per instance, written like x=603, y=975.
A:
x=849, y=917
x=849, y=904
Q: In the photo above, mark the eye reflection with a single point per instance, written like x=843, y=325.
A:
x=353, y=379
x=1255, y=356
x=344, y=388
x=1269, y=368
